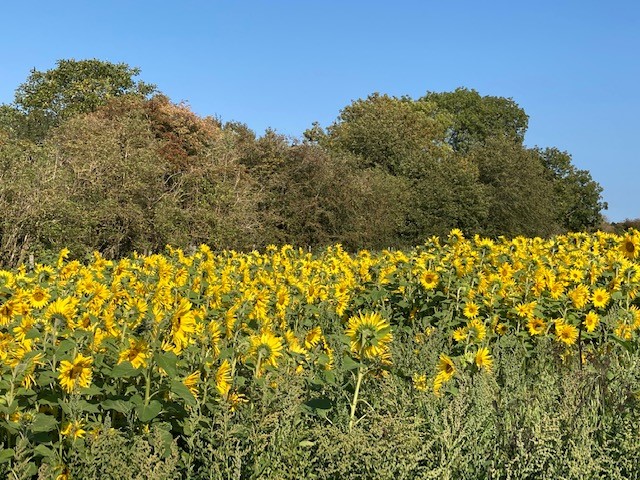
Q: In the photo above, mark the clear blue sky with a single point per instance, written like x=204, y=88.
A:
x=574, y=66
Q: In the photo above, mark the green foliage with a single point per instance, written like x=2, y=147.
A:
x=477, y=119
x=578, y=196
x=530, y=420
x=92, y=161
x=520, y=196
x=397, y=134
x=75, y=86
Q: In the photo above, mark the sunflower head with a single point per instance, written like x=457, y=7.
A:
x=224, y=378
x=536, y=326
x=629, y=246
x=483, y=359
x=566, y=333
x=75, y=373
x=266, y=348
x=429, y=279
x=446, y=367
x=591, y=321
x=370, y=335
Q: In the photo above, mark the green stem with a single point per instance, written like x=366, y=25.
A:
x=147, y=387
x=354, y=403
x=258, y=365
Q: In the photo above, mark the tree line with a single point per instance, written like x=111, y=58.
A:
x=94, y=159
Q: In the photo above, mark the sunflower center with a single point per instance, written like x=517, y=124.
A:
x=75, y=372
x=630, y=247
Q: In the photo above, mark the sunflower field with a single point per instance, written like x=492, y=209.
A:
x=460, y=358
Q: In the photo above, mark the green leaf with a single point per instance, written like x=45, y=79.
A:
x=32, y=333
x=318, y=406
x=181, y=390
x=149, y=412
x=85, y=406
x=167, y=361
x=45, y=378
x=117, y=405
x=227, y=353
x=628, y=346
x=329, y=377
x=6, y=454
x=349, y=363
x=43, y=423
x=90, y=390
x=167, y=440
x=64, y=347
x=124, y=370
x=44, y=451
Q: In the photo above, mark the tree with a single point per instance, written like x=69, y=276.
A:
x=578, y=196
x=521, y=197
x=74, y=86
x=477, y=118
x=396, y=134
x=407, y=139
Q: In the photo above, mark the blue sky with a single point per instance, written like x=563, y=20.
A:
x=574, y=66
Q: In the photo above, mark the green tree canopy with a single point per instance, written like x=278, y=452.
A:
x=396, y=134
x=477, y=118
x=72, y=87
x=578, y=196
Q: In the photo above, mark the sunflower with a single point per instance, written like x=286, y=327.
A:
x=236, y=399
x=137, y=353
x=629, y=246
x=183, y=323
x=591, y=321
x=446, y=367
x=635, y=315
x=438, y=381
x=370, y=335
x=223, y=378
x=39, y=297
x=62, y=309
x=74, y=430
x=501, y=329
x=456, y=235
x=536, y=326
x=293, y=343
x=623, y=331
x=191, y=382
x=579, y=296
x=20, y=332
x=28, y=375
x=215, y=334
x=65, y=473
x=460, y=334
x=266, y=348
x=429, y=280
x=600, y=298
x=477, y=330
x=526, y=309
x=471, y=310
x=483, y=359
x=566, y=333
x=76, y=373
x=7, y=311
x=313, y=337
